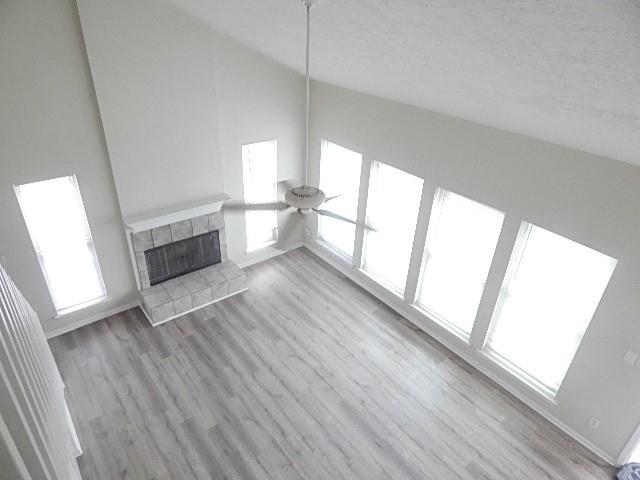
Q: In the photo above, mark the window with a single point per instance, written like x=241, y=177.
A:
x=551, y=291
x=392, y=212
x=461, y=240
x=57, y=224
x=339, y=176
x=260, y=178
x=635, y=455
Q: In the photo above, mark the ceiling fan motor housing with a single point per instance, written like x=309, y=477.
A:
x=305, y=198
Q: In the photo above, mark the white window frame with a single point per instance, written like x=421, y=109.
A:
x=527, y=379
x=396, y=290
x=325, y=144
x=270, y=236
x=434, y=220
x=61, y=311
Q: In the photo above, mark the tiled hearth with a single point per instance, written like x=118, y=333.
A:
x=174, y=297
x=179, y=295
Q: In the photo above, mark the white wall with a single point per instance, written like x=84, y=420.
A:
x=156, y=71
x=178, y=101
x=258, y=99
x=49, y=127
x=589, y=199
x=153, y=69
x=183, y=107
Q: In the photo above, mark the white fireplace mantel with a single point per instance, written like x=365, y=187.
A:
x=158, y=218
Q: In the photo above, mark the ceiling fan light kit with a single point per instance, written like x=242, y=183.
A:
x=305, y=198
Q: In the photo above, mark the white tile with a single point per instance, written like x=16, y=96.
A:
x=200, y=225
x=181, y=230
x=190, y=276
x=183, y=304
x=141, y=262
x=213, y=277
x=222, y=236
x=156, y=299
x=196, y=284
x=216, y=221
x=144, y=279
x=161, y=236
x=162, y=312
x=202, y=297
x=237, y=285
x=177, y=291
x=231, y=271
x=142, y=241
x=152, y=290
x=220, y=291
x=173, y=282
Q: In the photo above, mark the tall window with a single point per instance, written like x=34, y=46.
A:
x=551, y=291
x=392, y=212
x=260, y=178
x=340, y=177
x=57, y=224
x=461, y=241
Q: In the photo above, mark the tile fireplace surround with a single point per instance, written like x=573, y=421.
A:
x=175, y=297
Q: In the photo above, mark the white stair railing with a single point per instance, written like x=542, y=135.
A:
x=33, y=410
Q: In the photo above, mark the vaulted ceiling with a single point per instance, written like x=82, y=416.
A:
x=565, y=71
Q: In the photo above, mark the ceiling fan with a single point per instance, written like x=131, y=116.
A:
x=304, y=199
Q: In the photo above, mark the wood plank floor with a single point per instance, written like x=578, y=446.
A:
x=289, y=382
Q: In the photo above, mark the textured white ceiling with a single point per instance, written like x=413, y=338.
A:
x=565, y=71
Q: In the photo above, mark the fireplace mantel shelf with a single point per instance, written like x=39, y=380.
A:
x=158, y=218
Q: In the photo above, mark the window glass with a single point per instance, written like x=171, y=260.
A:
x=340, y=178
x=461, y=241
x=548, y=297
x=56, y=220
x=392, y=212
x=260, y=179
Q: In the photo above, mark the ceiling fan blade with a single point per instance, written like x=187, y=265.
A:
x=328, y=199
x=233, y=206
x=327, y=213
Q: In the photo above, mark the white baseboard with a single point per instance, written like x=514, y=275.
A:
x=86, y=321
x=268, y=254
x=261, y=257
x=413, y=316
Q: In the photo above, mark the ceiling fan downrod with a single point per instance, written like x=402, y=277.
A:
x=305, y=198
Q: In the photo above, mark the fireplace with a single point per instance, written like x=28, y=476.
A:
x=184, y=256
x=190, y=244
x=180, y=259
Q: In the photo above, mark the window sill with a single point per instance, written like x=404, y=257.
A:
x=383, y=283
x=260, y=247
x=444, y=323
x=542, y=391
x=334, y=250
x=82, y=306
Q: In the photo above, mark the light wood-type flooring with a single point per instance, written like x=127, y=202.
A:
x=305, y=376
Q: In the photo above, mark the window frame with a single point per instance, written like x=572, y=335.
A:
x=437, y=207
x=41, y=253
x=273, y=234
x=547, y=392
x=348, y=257
x=375, y=276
